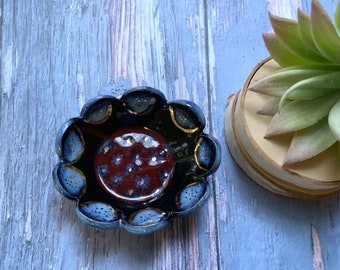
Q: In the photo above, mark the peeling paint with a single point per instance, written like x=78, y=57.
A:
x=28, y=228
x=7, y=71
x=80, y=87
x=317, y=254
x=282, y=8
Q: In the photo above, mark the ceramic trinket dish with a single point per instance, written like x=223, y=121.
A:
x=135, y=162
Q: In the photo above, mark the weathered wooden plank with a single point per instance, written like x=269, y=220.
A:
x=258, y=229
x=57, y=55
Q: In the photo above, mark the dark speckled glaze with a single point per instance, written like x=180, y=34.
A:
x=135, y=162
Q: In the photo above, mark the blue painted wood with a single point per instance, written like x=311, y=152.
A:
x=56, y=55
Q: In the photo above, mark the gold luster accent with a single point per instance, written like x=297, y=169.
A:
x=195, y=154
x=173, y=118
x=108, y=114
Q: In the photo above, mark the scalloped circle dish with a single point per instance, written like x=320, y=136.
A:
x=135, y=161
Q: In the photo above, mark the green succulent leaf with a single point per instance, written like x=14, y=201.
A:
x=334, y=120
x=288, y=32
x=310, y=142
x=276, y=84
x=312, y=88
x=325, y=35
x=271, y=107
x=305, y=30
x=300, y=114
x=305, y=91
x=281, y=53
x=337, y=16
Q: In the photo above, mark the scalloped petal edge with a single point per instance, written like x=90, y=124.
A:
x=146, y=221
x=69, y=180
x=143, y=101
x=192, y=197
x=207, y=154
x=69, y=143
x=98, y=214
x=187, y=116
x=98, y=110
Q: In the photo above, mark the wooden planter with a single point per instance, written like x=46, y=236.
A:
x=262, y=159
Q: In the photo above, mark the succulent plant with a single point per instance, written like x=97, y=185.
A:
x=305, y=90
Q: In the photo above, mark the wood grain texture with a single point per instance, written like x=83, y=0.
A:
x=57, y=55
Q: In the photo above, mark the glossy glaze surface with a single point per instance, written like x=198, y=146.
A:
x=137, y=161
x=134, y=164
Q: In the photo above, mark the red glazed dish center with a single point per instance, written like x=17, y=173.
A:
x=134, y=164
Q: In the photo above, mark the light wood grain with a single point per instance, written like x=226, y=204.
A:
x=55, y=55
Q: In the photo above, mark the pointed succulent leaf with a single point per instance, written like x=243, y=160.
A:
x=287, y=31
x=277, y=83
x=334, y=120
x=298, y=114
x=337, y=16
x=308, y=85
x=305, y=29
x=310, y=142
x=270, y=107
x=313, y=87
x=324, y=32
x=281, y=53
